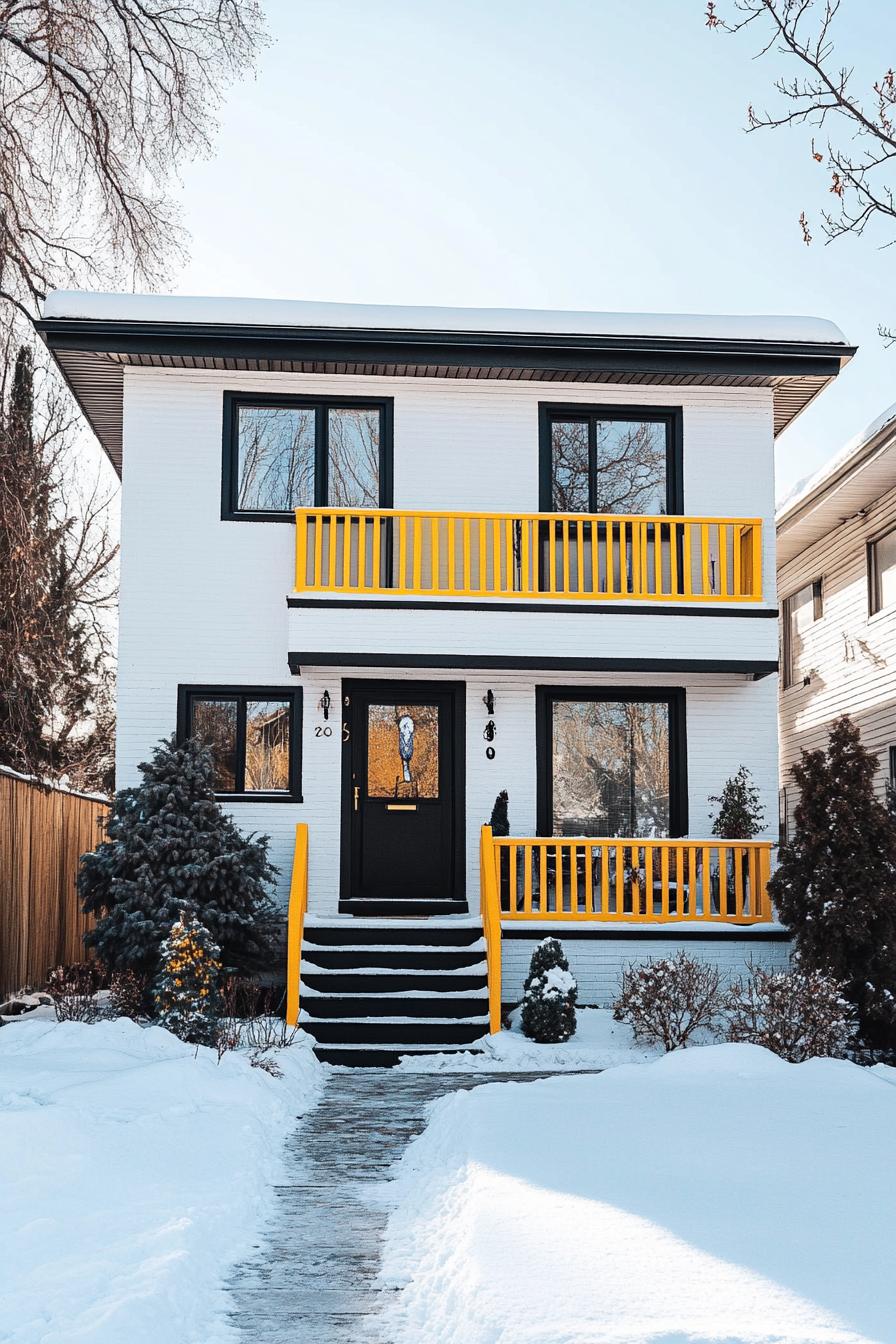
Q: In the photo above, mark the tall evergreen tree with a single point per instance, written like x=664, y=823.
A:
x=172, y=854
x=835, y=885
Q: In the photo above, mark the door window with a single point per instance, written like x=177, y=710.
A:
x=403, y=751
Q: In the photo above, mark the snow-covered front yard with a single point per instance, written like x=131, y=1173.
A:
x=715, y=1196
x=135, y=1171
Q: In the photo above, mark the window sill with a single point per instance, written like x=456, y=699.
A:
x=258, y=798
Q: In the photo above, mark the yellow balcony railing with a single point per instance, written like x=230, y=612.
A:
x=640, y=881
x=659, y=557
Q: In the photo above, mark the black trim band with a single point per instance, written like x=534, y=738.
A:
x=554, y=608
x=663, y=932
x=755, y=668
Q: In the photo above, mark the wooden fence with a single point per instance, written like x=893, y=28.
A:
x=43, y=833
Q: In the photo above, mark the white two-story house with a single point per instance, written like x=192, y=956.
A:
x=392, y=561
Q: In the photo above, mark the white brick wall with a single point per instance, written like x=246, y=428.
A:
x=203, y=601
x=597, y=963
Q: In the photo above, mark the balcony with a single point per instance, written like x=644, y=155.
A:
x=528, y=556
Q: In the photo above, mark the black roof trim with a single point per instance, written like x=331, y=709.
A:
x=750, y=667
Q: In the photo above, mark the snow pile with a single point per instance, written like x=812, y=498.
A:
x=714, y=1195
x=136, y=1171
x=598, y=1043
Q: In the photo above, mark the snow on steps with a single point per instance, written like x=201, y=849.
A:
x=374, y=990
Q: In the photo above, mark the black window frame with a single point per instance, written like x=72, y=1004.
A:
x=873, y=574
x=188, y=693
x=817, y=586
x=234, y=401
x=674, y=697
x=671, y=416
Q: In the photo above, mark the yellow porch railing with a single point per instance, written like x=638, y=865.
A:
x=491, y=925
x=631, y=880
x=659, y=557
x=298, y=906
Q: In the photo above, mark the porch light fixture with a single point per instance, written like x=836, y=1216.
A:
x=324, y=704
x=489, y=701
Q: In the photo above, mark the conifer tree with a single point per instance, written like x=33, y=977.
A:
x=835, y=886
x=500, y=818
x=186, y=990
x=548, y=1013
x=740, y=815
x=172, y=853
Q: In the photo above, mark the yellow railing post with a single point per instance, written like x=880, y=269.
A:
x=491, y=924
x=298, y=904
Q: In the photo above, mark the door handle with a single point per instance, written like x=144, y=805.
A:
x=357, y=793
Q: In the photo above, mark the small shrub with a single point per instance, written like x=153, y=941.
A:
x=500, y=818
x=741, y=815
x=549, y=996
x=798, y=1013
x=73, y=990
x=252, y=1018
x=666, y=1001
x=127, y=994
x=186, y=991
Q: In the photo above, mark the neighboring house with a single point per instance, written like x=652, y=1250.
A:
x=391, y=561
x=837, y=582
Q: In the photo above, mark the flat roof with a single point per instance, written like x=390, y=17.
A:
x=93, y=337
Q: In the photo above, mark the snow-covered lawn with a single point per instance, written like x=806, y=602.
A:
x=598, y=1043
x=135, y=1171
x=715, y=1196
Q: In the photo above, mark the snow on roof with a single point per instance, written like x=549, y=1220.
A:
x=83, y=305
x=811, y=485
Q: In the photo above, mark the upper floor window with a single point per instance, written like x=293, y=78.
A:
x=254, y=734
x=286, y=453
x=610, y=459
x=882, y=572
x=802, y=609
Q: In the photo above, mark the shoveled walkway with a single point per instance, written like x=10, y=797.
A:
x=314, y=1279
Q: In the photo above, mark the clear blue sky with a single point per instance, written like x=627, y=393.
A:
x=579, y=154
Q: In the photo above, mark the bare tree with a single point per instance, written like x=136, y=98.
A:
x=858, y=149
x=101, y=101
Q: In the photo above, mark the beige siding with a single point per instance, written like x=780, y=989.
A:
x=851, y=655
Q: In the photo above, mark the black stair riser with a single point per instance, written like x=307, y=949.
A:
x=357, y=934
x=396, y=1033
x=393, y=1005
x=408, y=909
x=356, y=982
x=346, y=958
x=370, y=1059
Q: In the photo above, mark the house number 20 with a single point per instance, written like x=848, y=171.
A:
x=323, y=730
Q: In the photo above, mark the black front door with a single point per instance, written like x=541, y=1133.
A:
x=403, y=780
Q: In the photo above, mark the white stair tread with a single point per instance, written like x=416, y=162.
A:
x=343, y=922
x=355, y=948
x=469, y=1047
x=482, y=994
x=478, y=968
x=305, y=1016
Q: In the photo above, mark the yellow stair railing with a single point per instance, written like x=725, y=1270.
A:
x=657, y=558
x=632, y=880
x=298, y=906
x=491, y=925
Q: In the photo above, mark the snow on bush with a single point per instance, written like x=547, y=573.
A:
x=667, y=1000
x=798, y=1014
x=549, y=996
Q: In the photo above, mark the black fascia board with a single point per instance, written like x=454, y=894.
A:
x=484, y=349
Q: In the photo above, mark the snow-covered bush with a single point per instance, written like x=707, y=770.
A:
x=186, y=991
x=73, y=989
x=127, y=994
x=171, y=849
x=667, y=1000
x=797, y=1013
x=549, y=996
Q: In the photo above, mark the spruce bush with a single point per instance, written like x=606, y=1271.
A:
x=186, y=989
x=549, y=996
x=835, y=885
x=171, y=851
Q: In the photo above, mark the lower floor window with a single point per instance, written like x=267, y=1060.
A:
x=611, y=763
x=254, y=734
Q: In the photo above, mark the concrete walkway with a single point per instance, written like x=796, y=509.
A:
x=313, y=1280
